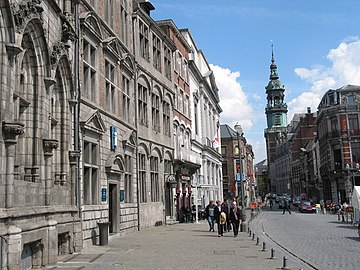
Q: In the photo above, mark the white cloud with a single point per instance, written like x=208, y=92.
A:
x=259, y=149
x=239, y=106
x=344, y=69
x=302, y=102
x=233, y=100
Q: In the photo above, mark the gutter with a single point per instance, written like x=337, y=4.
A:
x=134, y=18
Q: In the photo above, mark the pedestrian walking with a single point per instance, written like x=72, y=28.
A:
x=225, y=207
x=344, y=206
x=235, y=216
x=217, y=215
x=271, y=203
x=209, y=213
x=286, y=206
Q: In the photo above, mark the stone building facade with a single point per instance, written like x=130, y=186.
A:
x=320, y=152
x=86, y=109
x=154, y=102
x=339, y=147
x=89, y=96
x=108, y=132
x=237, y=159
x=205, y=120
x=184, y=168
x=38, y=177
x=301, y=143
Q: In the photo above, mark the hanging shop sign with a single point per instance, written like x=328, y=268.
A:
x=184, y=177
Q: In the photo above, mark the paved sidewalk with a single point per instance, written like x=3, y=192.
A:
x=178, y=246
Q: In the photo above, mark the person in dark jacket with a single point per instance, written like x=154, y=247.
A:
x=217, y=213
x=286, y=206
x=235, y=216
x=225, y=207
x=209, y=213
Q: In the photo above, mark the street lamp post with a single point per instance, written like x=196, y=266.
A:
x=239, y=133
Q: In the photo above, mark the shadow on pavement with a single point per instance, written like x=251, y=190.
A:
x=339, y=222
x=347, y=227
x=205, y=235
x=357, y=239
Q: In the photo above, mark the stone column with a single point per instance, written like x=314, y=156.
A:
x=52, y=243
x=205, y=173
x=14, y=248
x=49, y=145
x=73, y=157
x=11, y=131
x=77, y=237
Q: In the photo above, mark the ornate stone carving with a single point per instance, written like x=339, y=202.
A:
x=68, y=33
x=11, y=130
x=59, y=49
x=25, y=11
x=73, y=155
x=50, y=145
x=13, y=49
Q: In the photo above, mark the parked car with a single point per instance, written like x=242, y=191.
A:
x=307, y=207
x=296, y=201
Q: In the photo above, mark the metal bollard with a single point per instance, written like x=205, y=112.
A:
x=284, y=263
x=257, y=240
x=264, y=246
x=253, y=237
x=272, y=254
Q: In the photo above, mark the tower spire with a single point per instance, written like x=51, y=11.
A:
x=273, y=68
x=276, y=108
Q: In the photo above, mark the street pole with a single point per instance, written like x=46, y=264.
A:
x=240, y=171
x=349, y=182
x=196, y=204
x=239, y=133
x=241, y=180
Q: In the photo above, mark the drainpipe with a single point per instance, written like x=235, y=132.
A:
x=134, y=17
x=77, y=107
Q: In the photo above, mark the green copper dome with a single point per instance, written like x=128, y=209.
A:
x=276, y=108
x=274, y=85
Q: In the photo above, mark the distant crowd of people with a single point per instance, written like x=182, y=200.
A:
x=226, y=216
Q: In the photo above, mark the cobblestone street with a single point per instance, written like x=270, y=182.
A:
x=320, y=240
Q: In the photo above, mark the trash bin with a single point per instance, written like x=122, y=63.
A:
x=103, y=233
x=243, y=226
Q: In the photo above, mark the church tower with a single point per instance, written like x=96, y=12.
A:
x=276, y=108
x=276, y=116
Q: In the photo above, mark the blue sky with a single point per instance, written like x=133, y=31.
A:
x=316, y=44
